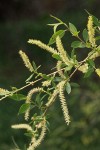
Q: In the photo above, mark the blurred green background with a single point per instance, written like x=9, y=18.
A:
x=24, y=19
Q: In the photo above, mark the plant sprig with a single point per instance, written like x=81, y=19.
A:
x=54, y=84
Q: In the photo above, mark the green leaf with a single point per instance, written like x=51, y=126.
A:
x=96, y=21
x=30, y=77
x=38, y=100
x=73, y=29
x=59, y=33
x=89, y=72
x=56, y=56
x=56, y=18
x=68, y=67
x=24, y=108
x=72, y=53
x=97, y=38
x=98, y=48
x=45, y=76
x=18, y=97
x=73, y=84
x=34, y=65
x=57, y=79
x=78, y=44
x=55, y=25
x=68, y=88
x=91, y=63
x=43, y=96
x=28, y=134
x=85, y=35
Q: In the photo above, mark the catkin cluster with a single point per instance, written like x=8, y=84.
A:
x=36, y=142
x=91, y=31
x=53, y=89
x=29, y=98
x=63, y=101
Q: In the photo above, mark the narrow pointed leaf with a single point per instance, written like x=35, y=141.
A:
x=77, y=44
x=73, y=29
x=59, y=33
x=56, y=56
x=24, y=108
x=85, y=35
x=18, y=97
x=68, y=88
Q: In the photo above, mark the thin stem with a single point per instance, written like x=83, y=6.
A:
x=80, y=39
x=31, y=83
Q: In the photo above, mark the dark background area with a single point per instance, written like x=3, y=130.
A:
x=24, y=19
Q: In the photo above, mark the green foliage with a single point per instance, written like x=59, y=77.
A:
x=68, y=88
x=77, y=44
x=73, y=29
x=85, y=35
x=54, y=36
x=24, y=108
x=18, y=97
x=40, y=99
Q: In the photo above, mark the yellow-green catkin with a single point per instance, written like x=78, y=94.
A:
x=46, y=83
x=36, y=142
x=28, y=100
x=52, y=98
x=42, y=135
x=62, y=52
x=22, y=126
x=83, y=68
x=91, y=31
x=3, y=92
x=26, y=61
x=63, y=102
x=42, y=45
x=60, y=72
x=98, y=71
x=95, y=55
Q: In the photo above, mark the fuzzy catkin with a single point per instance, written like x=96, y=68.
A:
x=28, y=100
x=22, y=126
x=63, y=102
x=46, y=83
x=62, y=51
x=35, y=143
x=58, y=66
x=3, y=92
x=52, y=97
x=26, y=60
x=95, y=55
x=91, y=31
x=42, y=45
x=31, y=146
x=83, y=68
x=42, y=135
x=98, y=71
